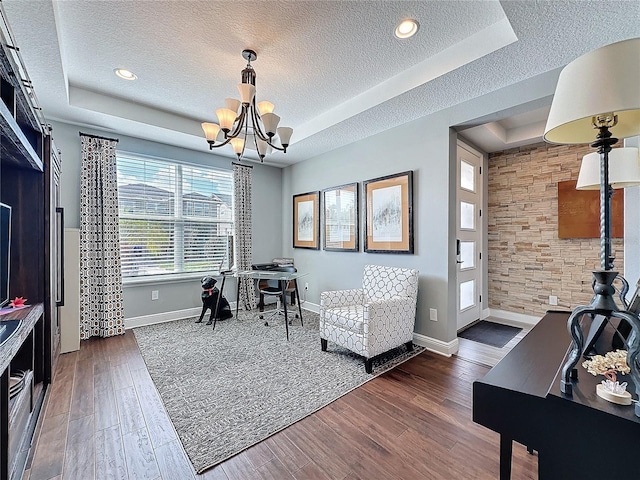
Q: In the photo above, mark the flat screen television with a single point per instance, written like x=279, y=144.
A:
x=5, y=250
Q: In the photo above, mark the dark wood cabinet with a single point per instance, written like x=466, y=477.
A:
x=29, y=175
x=53, y=273
x=20, y=355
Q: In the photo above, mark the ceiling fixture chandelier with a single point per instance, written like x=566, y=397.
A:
x=243, y=123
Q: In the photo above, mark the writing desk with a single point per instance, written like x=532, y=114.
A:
x=283, y=279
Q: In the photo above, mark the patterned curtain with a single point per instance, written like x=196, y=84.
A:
x=242, y=175
x=101, y=309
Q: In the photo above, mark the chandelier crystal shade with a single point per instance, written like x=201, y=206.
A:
x=246, y=124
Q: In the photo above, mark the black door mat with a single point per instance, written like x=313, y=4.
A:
x=490, y=333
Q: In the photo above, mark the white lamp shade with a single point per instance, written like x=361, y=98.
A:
x=232, y=104
x=263, y=147
x=285, y=135
x=252, y=142
x=265, y=107
x=226, y=117
x=247, y=91
x=238, y=145
x=210, y=131
x=270, y=122
x=605, y=80
x=624, y=169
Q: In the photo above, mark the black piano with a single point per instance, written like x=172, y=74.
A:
x=580, y=437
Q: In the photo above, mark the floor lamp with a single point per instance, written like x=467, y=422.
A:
x=597, y=101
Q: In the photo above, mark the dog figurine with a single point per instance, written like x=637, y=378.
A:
x=209, y=298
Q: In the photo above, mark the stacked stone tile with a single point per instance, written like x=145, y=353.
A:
x=527, y=261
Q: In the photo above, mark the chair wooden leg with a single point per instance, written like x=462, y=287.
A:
x=409, y=346
x=323, y=344
x=368, y=365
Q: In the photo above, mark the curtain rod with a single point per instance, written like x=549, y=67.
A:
x=98, y=136
x=241, y=165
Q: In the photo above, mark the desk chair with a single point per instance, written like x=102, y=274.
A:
x=260, y=284
x=273, y=288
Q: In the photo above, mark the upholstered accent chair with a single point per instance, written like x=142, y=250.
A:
x=373, y=319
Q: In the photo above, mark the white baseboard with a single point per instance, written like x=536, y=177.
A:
x=518, y=318
x=154, y=318
x=437, y=346
x=312, y=307
x=134, y=322
x=485, y=313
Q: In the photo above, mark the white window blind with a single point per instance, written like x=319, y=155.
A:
x=174, y=217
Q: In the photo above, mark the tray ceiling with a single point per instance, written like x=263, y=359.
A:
x=334, y=70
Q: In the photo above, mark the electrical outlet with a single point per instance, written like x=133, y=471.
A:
x=433, y=314
x=306, y=285
x=154, y=294
x=553, y=300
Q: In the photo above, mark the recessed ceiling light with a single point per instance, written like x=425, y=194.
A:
x=407, y=28
x=125, y=74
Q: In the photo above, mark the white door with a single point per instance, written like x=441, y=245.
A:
x=469, y=235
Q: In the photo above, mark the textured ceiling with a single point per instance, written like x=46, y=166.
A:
x=333, y=69
x=514, y=131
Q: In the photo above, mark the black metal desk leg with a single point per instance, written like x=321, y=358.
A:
x=283, y=286
x=295, y=283
x=215, y=312
x=237, y=295
x=506, y=446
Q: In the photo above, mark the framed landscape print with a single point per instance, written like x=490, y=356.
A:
x=306, y=220
x=389, y=214
x=340, y=219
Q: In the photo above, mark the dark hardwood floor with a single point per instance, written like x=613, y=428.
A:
x=105, y=420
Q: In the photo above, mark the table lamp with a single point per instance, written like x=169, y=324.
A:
x=597, y=101
x=624, y=169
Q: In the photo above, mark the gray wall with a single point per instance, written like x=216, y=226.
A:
x=427, y=146
x=174, y=295
x=632, y=229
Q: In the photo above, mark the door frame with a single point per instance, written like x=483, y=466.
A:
x=482, y=226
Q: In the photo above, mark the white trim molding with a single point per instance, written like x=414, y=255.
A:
x=312, y=307
x=486, y=313
x=514, y=317
x=162, y=317
x=437, y=346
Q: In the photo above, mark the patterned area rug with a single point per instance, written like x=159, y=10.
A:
x=228, y=389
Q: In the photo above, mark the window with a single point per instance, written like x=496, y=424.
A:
x=174, y=217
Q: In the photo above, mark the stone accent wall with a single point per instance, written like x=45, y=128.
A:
x=527, y=261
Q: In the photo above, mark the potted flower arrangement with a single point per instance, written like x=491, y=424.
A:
x=609, y=365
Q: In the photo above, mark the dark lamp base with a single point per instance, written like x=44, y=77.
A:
x=603, y=303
